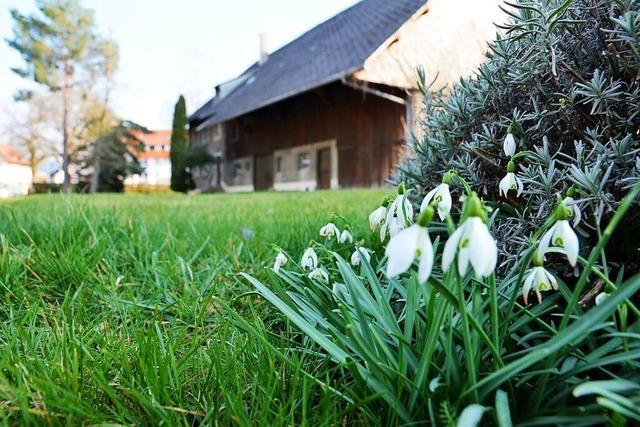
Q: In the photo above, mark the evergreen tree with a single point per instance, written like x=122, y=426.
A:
x=180, y=177
x=62, y=51
x=112, y=157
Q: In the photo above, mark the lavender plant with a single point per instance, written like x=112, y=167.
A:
x=562, y=87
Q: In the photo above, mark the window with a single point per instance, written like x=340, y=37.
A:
x=236, y=133
x=304, y=160
x=237, y=168
x=152, y=148
x=278, y=164
x=216, y=132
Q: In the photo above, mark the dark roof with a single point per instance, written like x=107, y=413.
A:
x=332, y=50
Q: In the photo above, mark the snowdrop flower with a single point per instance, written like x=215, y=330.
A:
x=509, y=145
x=377, y=217
x=442, y=198
x=414, y=242
x=340, y=290
x=560, y=235
x=319, y=274
x=510, y=181
x=393, y=227
x=280, y=260
x=539, y=280
x=309, y=259
x=601, y=297
x=472, y=242
x=330, y=231
x=400, y=208
x=344, y=236
x=574, y=210
x=358, y=255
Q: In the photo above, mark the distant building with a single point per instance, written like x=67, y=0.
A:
x=154, y=159
x=15, y=173
x=335, y=107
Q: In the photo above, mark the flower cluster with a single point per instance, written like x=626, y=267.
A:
x=393, y=215
x=511, y=181
x=560, y=237
x=470, y=243
x=310, y=261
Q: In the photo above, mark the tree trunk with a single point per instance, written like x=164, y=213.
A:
x=66, y=186
x=95, y=178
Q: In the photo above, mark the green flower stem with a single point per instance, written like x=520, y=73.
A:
x=462, y=181
x=495, y=325
x=606, y=235
x=466, y=336
x=601, y=275
x=573, y=302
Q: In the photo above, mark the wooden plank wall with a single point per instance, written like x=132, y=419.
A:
x=369, y=131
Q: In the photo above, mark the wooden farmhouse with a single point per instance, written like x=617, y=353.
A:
x=335, y=107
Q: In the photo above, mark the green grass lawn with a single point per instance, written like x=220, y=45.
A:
x=113, y=309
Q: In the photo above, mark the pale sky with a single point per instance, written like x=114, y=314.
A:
x=168, y=47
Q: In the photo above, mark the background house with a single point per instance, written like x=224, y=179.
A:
x=154, y=159
x=335, y=107
x=15, y=173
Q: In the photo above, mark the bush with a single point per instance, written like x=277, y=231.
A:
x=565, y=80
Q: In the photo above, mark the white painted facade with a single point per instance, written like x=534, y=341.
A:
x=157, y=171
x=15, y=180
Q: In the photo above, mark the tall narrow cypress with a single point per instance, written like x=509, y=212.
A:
x=179, y=176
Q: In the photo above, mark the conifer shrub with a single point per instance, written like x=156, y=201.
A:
x=564, y=79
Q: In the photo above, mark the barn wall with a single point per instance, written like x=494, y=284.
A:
x=368, y=132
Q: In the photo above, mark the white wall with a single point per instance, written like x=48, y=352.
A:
x=15, y=180
x=156, y=172
x=449, y=41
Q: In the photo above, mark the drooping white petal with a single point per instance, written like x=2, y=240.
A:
x=519, y=185
x=509, y=145
x=345, y=236
x=407, y=211
x=401, y=251
x=395, y=226
x=463, y=261
x=442, y=196
x=330, y=231
x=482, y=247
x=280, y=260
x=444, y=206
x=505, y=184
x=319, y=274
x=355, y=258
x=545, y=241
x=376, y=217
x=427, y=199
x=450, y=249
x=569, y=241
x=528, y=282
x=426, y=256
x=358, y=255
x=601, y=297
x=574, y=210
x=309, y=259
x=510, y=182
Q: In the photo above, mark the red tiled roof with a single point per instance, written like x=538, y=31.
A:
x=157, y=139
x=11, y=154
